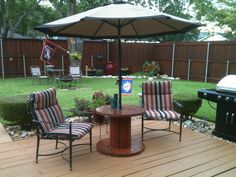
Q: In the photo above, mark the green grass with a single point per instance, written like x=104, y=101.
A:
x=22, y=86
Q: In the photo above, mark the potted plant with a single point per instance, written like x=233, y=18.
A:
x=76, y=58
x=81, y=109
x=85, y=108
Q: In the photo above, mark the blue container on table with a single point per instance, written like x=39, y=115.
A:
x=114, y=102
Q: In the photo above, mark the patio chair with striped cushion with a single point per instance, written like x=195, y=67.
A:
x=158, y=105
x=50, y=123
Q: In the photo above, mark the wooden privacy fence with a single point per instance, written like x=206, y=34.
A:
x=17, y=55
x=201, y=61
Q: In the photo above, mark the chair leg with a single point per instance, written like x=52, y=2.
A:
x=142, y=126
x=100, y=131
x=70, y=146
x=90, y=140
x=107, y=126
x=180, y=128
x=169, y=124
x=37, y=149
x=56, y=144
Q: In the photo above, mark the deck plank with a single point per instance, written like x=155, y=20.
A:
x=164, y=155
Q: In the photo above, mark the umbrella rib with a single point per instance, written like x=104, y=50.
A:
x=100, y=26
x=58, y=31
x=167, y=25
x=134, y=29
x=119, y=25
x=112, y=24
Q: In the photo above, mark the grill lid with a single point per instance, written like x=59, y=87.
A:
x=227, y=84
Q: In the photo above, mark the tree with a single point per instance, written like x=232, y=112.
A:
x=21, y=16
x=178, y=8
x=226, y=16
x=90, y=4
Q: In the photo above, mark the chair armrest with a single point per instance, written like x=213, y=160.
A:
x=178, y=107
x=178, y=104
x=44, y=122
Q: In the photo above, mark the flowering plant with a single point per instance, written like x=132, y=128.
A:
x=151, y=68
x=99, y=99
x=84, y=107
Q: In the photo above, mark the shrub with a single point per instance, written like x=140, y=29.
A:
x=151, y=68
x=85, y=107
x=99, y=99
x=191, y=104
x=15, y=109
x=81, y=107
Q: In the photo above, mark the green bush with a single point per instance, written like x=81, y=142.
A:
x=14, y=109
x=191, y=104
x=151, y=68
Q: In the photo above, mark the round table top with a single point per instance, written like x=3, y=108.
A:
x=126, y=111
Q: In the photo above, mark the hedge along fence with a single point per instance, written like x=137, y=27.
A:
x=15, y=109
x=201, y=61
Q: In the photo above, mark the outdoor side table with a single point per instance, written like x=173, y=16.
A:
x=120, y=142
x=67, y=82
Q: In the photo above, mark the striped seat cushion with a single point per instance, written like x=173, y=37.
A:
x=157, y=100
x=162, y=114
x=47, y=109
x=78, y=130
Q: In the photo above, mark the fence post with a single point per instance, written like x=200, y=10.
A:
x=2, y=61
x=91, y=61
x=23, y=58
x=173, y=60
x=227, y=67
x=44, y=68
x=108, y=51
x=207, y=60
x=62, y=65
x=189, y=68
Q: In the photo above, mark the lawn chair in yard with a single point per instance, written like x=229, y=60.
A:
x=36, y=74
x=50, y=124
x=158, y=105
x=75, y=73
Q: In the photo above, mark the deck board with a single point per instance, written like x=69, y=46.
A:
x=164, y=155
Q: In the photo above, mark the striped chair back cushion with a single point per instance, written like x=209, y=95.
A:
x=46, y=109
x=157, y=95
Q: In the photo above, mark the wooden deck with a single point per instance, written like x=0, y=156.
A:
x=164, y=155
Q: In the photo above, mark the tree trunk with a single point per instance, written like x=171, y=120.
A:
x=73, y=43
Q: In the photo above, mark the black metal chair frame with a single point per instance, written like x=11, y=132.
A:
x=40, y=136
x=143, y=128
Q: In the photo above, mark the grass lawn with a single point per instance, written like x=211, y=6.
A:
x=22, y=86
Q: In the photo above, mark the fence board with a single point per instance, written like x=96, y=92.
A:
x=134, y=55
x=14, y=49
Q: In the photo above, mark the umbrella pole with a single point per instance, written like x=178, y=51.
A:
x=120, y=77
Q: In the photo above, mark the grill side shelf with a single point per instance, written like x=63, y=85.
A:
x=207, y=94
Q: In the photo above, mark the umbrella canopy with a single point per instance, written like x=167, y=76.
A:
x=119, y=20
x=104, y=22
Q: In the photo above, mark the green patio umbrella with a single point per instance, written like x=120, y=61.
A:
x=116, y=21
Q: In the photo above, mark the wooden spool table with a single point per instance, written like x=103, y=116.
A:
x=120, y=142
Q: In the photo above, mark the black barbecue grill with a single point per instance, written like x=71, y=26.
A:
x=225, y=97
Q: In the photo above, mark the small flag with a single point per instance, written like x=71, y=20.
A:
x=126, y=86
x=47, y=51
